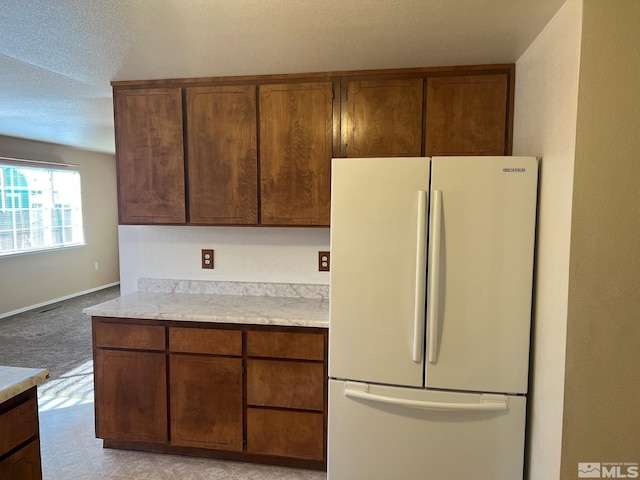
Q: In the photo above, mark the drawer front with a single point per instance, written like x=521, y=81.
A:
x=288, y=434
x=23, y=464
x=303, y=346
x=121, y=335
x=205, y=340
x=277, y=383
x=18, y=425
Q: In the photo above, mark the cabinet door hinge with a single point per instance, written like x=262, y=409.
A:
x=244, y=440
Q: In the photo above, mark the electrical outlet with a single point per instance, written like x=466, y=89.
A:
x=324, y=259
x=207, y=258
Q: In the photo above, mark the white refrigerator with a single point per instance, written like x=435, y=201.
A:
x=430, y=313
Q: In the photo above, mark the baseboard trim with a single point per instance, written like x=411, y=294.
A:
x=56, y=300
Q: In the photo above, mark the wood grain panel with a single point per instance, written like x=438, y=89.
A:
x=18, y=425
x=23, y=464
x=150, y=155
x=277, y=383
x=205, y=340
x=222, y=155
x=467, y=115
x=291, y=434
x=384, y=117
x=296, y=142
x=131, y=395
x=120, y=335
x=302, y=346
x=206, y=402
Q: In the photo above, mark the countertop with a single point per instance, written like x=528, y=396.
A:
x=15, y=380
x=251, y=303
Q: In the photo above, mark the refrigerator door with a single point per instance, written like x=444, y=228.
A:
x=438, y=435
x=481, y=245
x=378, y=255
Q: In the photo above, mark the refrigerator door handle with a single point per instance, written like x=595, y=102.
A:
x=434, y=275
x=488, y=403
x=421, y=257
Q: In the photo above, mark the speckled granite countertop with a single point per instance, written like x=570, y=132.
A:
x=222, y=302
x=15, y=380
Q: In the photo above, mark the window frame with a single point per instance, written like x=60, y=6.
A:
x=58, y=224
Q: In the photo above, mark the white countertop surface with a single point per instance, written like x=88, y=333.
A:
x=199, y=307
x=15, y=380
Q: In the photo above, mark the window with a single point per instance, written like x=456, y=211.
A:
x=40, y=206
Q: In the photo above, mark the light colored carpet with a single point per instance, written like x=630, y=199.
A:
x=56, y=337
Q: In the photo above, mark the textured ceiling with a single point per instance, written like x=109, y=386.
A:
x=58, y=57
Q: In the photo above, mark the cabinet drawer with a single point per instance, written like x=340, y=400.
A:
x=18, y=425
x=277, y=383
x=23, y=464
x=204, y=340
x=289, y=434
x=121, y=335
x=303, y=346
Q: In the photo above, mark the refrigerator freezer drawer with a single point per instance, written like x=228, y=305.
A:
x=378, y=433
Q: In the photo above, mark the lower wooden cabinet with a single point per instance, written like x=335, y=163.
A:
x=24, y=464
x=19, y=438
x=242, y=392
x=131, y=396
x=285, y=384
x=288, y=433
x=206, y=402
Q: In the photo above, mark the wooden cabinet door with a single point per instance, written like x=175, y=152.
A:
x=206, y=402
x=131, y=396
x=383, y=118
x=222, y=155
x=467, y=115
x=150, y=156
x=296, y=146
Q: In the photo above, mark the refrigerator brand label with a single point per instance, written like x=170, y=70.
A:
x=607, y=470
x=514, y=170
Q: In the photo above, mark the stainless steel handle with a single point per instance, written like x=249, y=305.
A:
x=434, y=275
x=421, y=257
x=490, y=403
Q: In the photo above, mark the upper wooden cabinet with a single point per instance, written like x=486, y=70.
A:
x=257, y=150
x=467, y=115
x=150, y=158
x=296, y=146
x=222, y=155
x=382, y=118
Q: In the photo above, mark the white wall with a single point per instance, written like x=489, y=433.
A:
x=244, y=254
x=601, y=420
x=38, y=278
x=545, y=124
